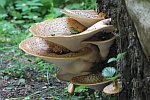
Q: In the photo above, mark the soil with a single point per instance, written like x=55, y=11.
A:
x=32, y=83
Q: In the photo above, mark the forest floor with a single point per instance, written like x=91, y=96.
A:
x=31, y=85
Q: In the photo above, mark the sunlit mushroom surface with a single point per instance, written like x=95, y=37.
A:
x=112, y=89
x=83, y=13
x=93, y=81
x=72, y=42
x=85, y=17
x=57, y=27
x=39, y=47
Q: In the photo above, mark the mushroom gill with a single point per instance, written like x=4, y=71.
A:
x=43, y=49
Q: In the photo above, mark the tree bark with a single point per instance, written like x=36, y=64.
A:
x=134, y=67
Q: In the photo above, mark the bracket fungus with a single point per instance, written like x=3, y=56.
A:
x=71, y=62
x=65, y=76
x=113, y=88
x=93, y=81
x=102, y=43
x=72, y=42
x=85, y=17
x=66, y=43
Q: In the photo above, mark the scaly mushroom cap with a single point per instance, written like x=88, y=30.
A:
x=57, y=27
x=93, y=81
x=50, y=51
x=85, y=17
x=72, y=42
x=103, y=45
x=65, y=76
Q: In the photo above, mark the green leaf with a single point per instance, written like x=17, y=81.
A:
x=2, y=3
x=114, y=77
x=80, y=88
x=9, y=87
x=73, y=6
x=16, y=14
x=57, y=12
x=27, y=98
x=108, y=71
x=111, y=60
x=120, y=55
x=73, y=30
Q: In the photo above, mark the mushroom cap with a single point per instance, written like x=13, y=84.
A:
x=111, y=89
x=93, y=81
x=104, y=46
x=56, y=27
x=41, y=48
x=65, y=76
x=85, y=17
x=72, y=42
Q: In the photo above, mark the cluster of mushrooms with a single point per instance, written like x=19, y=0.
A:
x=75, y=44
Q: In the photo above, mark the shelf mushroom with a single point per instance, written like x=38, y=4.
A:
x=59, y=55
x=93, y=81
x=113, y=88
x=57, y=27
x=85, y=17
x=103, y=44
x=70, y=41
x=65, y=76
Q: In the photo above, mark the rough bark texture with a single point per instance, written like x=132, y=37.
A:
x=134, y=67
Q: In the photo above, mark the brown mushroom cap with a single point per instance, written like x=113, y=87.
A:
x=42, y=48
x=57, y=27
x=85, y=17
x=72, y=42
x=93, y=81
x=112, y=89
x=83, y=13
x=39, y=47
x=65, y=76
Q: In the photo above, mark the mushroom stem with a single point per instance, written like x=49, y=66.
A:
x=71, y=89
x=104, y=51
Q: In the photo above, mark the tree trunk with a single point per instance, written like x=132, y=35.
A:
x=131, y=18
